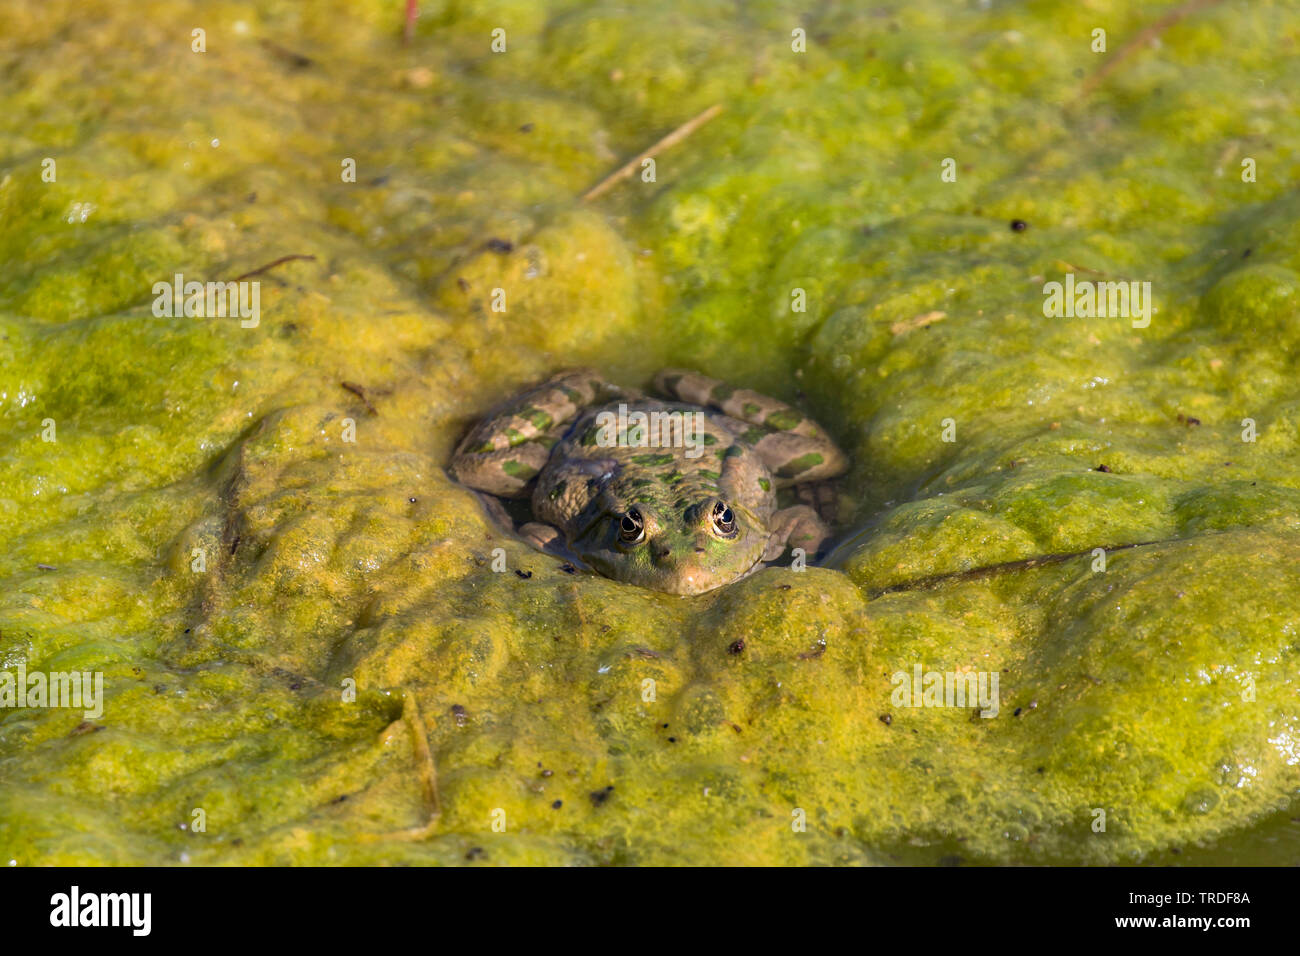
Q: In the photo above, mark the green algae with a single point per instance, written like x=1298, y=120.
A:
x=753, y=725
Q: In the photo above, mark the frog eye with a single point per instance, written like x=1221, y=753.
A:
x=631, y=528
x=724, y=520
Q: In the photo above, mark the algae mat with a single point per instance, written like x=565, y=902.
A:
x=307, y=655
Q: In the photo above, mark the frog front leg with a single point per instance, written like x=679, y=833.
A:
x=793, y=446
x=505, y=451
x=551, y=541
x=798, y=526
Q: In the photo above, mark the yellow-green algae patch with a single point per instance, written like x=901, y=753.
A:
x=263, y=594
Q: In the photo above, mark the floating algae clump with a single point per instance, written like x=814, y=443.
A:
x=317, y=649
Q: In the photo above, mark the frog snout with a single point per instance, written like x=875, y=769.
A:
x=676, y=550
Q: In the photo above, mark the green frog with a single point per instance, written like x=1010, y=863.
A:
x=676, y=494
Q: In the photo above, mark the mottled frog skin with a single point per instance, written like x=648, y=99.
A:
x=686, y=515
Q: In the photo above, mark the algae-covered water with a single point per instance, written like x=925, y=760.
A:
x=307, y=654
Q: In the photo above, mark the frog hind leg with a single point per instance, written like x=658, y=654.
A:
x=794, y=447
x=798, y=526
x=504, y=452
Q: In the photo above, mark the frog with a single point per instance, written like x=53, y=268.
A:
x=674, y=491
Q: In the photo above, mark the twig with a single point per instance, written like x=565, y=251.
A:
x=672, y=139
x=360, y=393
x=917, y=322
x=295, y=60
x=924, y=584
x=429, y=770
x=412, y=12
x=1145, y=36
x=271, y=265
x=1104, y=275
x=1074, y=268
x=428, y=777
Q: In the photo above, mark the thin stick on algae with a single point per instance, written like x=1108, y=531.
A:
x=360, y=393
x=672, y=139
x=295, y=60
x=412, y=13
x=429, y=769
x=1024, y=564
x=271, y=265
x=428, y=776
x=1145, y=36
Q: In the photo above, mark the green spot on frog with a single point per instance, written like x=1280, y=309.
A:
x=799, y=465
x=558, y=490
x=722, y=391
x=764, y=484
x=783, y=420
x=750, y=409
x=517, y=469
x=652, y=461
x=540, y=419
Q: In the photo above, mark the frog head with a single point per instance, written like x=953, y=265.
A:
x=684, y=551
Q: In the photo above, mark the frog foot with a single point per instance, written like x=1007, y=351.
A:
x=796, y=527
x=823, y=497
x=548, y=540
x=543, y=537
x=496, y=511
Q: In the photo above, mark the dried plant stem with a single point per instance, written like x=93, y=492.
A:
x=271, y=265
x=672, y=139
x=1145, y=36
x=428, y=777
x=408, y=26
x=1025, y=564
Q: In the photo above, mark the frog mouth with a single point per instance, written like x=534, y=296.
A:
x=758, y=565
